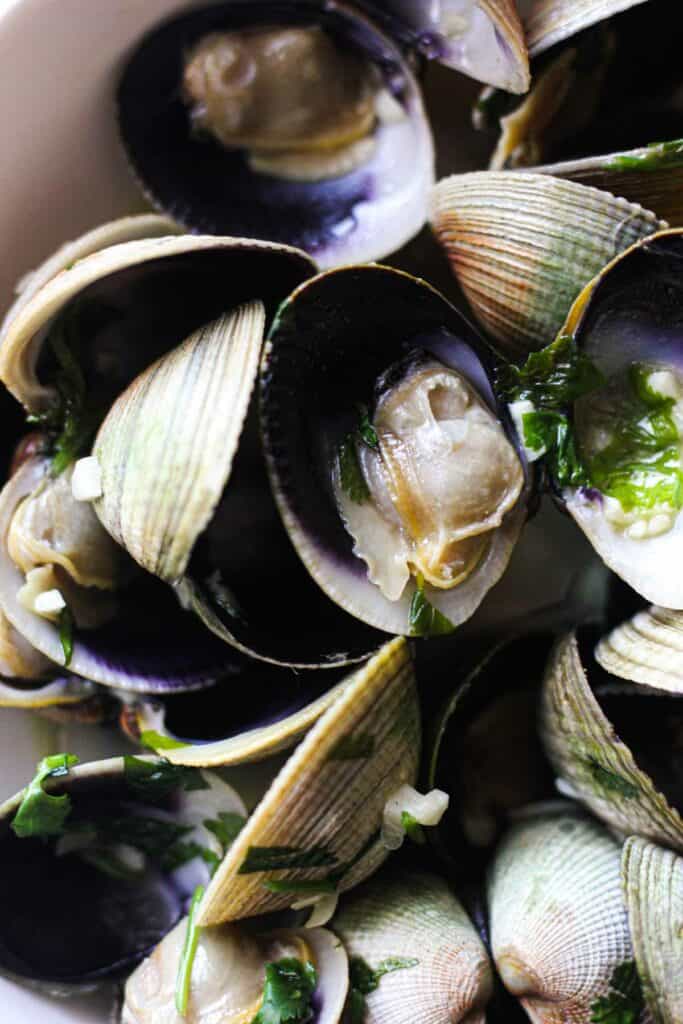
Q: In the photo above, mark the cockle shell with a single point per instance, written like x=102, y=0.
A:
x=586, y=752
x=653, y=893
x=522, y=247
x=550, y=21
x=647, y=649
x=558, y=924
x=414, y=917
x=328, y=800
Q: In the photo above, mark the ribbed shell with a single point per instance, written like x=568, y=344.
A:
x=523, y=245
x=658, y=188
x=646, y=649
x=550, y=21
x=415, y=916
x=504, y=17
x=319, y=800
x=558, y=923
x=586, y=752
x=167, y=445
x=653, y=893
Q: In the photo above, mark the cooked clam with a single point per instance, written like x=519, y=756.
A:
x=559, y=929
x=399, y=479
x=619, y=747
x=98, y=863
x=300, y=123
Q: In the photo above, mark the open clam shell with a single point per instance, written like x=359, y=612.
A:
x=522, y=246
x=628, y=318
x=18, y=693
x=97, y=892
x=412, y=919
x=357, y=338
x=486, y=752
x=269, y=711
x=559, y=928
x=481, y=38
x=647, y=649
x=354, y=214
x=228, y=981
x=317, y=829
x=653, y=892
x=603, y=740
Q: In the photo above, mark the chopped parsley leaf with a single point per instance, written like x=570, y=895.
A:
x=155, y=741
x=226, y=827
x=424, y=619
x=287, y=993
x=412, y=828
x=40, y=814
x=156, y=779
x=351, y=477
x=625, y=1003
x=66, y=634
x=184, y=977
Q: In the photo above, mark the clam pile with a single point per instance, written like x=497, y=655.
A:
x=259, y=489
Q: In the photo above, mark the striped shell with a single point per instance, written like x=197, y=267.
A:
x=324, y=803
x=647, y=649
x=558, y=924
x=586, y=752
x=522, y=247
x=653, y=893
x=416, y=918
x=550, y=21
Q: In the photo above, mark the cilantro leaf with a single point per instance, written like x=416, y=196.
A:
x=364, y=979
x=424, y=619
x=276, y=858
x=184, y=977
x=350, y=473
x=66, y=634
x=552, y=378
x=412, y=828
x=656, y=156
x=625, y=1003
x=366, y=429
x=156, y=779
x=42, y=814
x=287, y=993
x=226, y=827
x=155, y=741
x=552, y=431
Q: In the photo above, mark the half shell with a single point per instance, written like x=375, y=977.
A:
x=548, y=22
x=653, y=893
x=647, y=649
x=324, y=810
x=522, y=246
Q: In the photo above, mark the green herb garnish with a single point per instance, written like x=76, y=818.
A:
x=610, y=780
x=549, y=430
x=155, y=741
x=655, y=157
x=156, y=779
x=182, y=988
x=363, y=980
x=625, y=1003
x=413, y=829
x=350, y=473
x=226, y=827
x=552, y=378
x=352, y=747
x=423, y=618
x=307, y=887
x=276, y=858
x=287, y=993
x=42, y=814
x=366, y=429
x=66, y=634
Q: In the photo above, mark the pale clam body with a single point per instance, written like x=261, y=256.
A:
x=413, y=917
x=653, y=893
x=558, y=925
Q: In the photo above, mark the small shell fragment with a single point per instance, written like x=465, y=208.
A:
x=86, y=481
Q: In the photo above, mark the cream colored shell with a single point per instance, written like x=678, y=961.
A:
x=558, y=924
x=586, y=752
x=321, y=801
x=522, y=246
x=653, y=893
x=415, y=916
x=550, y=21
x=647, y=649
